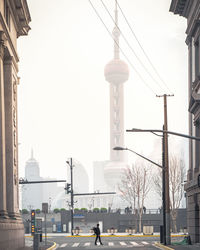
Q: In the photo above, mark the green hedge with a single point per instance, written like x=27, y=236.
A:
x=37, y=211
x=103, y=210
x=56, y=210
x=84, y=209
x=62, y=209
x=24, y=211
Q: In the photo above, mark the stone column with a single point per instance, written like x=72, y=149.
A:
x=190, y=118
x=10, y=88
x=3, y=209
x=197, y=146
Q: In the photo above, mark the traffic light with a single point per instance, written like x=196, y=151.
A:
x=32, y=222
x=68, y=188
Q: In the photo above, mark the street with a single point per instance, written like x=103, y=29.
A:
x=111, y=242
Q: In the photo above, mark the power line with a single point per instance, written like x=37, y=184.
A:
x=131, y=48
x=121, y=49
x=155, y=70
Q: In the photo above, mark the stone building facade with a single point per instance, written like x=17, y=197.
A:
x=14, y=22
x=190, y=9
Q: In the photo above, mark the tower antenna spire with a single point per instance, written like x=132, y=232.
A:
x=116, y=34
x=116, y=14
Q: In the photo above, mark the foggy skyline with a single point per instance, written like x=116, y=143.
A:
x=63, y=96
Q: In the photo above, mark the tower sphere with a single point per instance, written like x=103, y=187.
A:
x=116, y=71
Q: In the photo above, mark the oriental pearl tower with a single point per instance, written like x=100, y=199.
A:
x=116, y=73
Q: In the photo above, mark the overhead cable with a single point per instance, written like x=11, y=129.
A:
x=121, y=49
x=155, y=70
x=131, y=48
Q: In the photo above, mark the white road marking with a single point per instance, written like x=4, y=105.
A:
x=145, y=243
x=64, y=245
x=110, y=244
x=87, y=244
x=75, y=244
x=57, y=246
x=122, y=243
x=135, y=243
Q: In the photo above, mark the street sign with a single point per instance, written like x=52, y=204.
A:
x=38, y=225
x=45, y=208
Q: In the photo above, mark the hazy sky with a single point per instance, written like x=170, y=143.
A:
x=63, y=96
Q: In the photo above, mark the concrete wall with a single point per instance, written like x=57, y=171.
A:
x=121, y=222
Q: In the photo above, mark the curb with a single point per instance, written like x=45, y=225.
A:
x=161, y=246
x=114, y=235
x=52, y=247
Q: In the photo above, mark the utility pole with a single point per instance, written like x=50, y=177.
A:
x=72, y=195
x=166, y=132
x=163, y=189
x=166, y=170
x=69, y=189
x=72, y=198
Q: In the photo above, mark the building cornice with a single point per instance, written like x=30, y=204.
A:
x=21, y=16
x=191, y=185
x=180, y=7
x=8, y=39
x=193, y=31
x=194, y=106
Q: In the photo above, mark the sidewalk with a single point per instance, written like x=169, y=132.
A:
x=107, y=234
x=42, y=246
x=179, y=247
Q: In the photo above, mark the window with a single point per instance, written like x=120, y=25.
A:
x=115, y=101
x=196, y=58
x=195, y=54
x=197, y=146
x=193, y=144
x=193, y=61
x=7, y=13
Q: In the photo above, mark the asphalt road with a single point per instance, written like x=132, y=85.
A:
x=109, y=243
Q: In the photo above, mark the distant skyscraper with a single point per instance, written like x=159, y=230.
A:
x=116, y=73
x=32, y=193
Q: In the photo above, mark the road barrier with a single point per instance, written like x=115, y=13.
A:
x=148, y=230
x=112, y=231
x=77, y=231
x=130, y=231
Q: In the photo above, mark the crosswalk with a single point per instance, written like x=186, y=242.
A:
x=108, y=244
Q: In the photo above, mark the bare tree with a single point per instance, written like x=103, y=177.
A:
x=176, y=179
x=127, y=189
x=135, y=186
x=177, y=174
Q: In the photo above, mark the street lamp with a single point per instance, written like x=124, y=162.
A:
x=165, y=132
x=163, y=184
x=121, y=148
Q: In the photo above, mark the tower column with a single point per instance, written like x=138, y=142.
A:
x=3, y=208
x=116, y=73
x=116, y=121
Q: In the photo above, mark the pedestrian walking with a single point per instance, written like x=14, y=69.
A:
x=97, y=233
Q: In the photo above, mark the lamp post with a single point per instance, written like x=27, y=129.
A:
x=163, y=182
x=165, y=132
x=121, y=148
